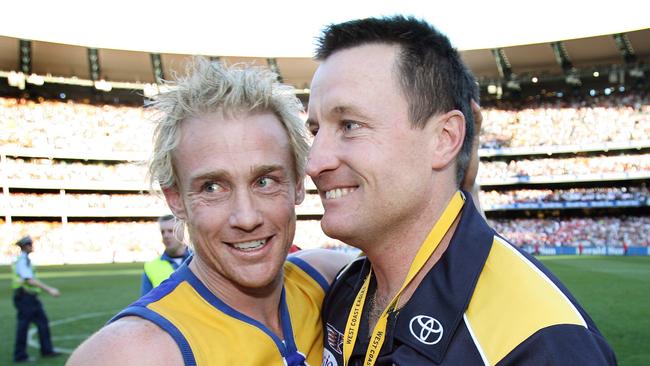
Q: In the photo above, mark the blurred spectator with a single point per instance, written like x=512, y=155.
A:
x=50, y=125
x=176, y=252
x=577, y=166
x=61, y=170
x=587, y=231
x=615, y=118
x=490, y=199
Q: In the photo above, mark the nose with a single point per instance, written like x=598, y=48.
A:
x=322, y=155
x=245, y=214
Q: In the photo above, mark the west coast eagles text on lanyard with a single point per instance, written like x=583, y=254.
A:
x=379, y=331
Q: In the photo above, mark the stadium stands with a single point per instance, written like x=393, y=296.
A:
x=563, y=168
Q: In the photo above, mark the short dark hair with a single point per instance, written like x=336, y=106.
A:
x=166, y=218
x=24, y=241
x=432, y=75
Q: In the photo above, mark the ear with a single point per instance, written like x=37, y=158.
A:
x=300, y=190
x=450, y=133
x=175, y=202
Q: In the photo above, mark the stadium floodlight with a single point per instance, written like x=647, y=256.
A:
x=150, y=90
x=103, y=85
x=637, y=72
x=35, y=79
x=513, y=85
x=492, y=89
x=573, y=79
x=17, y=80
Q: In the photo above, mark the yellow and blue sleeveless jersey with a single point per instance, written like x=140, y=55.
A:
x=483, y=303
x=209, y=332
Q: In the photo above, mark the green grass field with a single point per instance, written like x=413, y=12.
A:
x=614, y=290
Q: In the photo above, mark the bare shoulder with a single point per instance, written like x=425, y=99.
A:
x=128, y=341
x=326, y=261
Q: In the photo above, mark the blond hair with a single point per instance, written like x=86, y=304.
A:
x=210, y=87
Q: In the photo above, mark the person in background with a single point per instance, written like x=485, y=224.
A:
x=390, y=109
x=176, y=252
x=30, y=309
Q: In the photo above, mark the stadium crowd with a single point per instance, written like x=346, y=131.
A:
x=83, y=242
x=46, y=169
x=45, y=124
x=116, y=204
x=585, y=231
x=80, y=128
x=578, y=121
x=113, y=241
x=576, y=166
x=96, y=241
x=62, y=170
x=75, y=201
x=495, y=198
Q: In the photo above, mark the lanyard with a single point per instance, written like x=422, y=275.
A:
x=379, y=331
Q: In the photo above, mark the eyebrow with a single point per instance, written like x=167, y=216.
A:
x=338, y=110
x=266, y=169
x=221, y=174
x=212, y=175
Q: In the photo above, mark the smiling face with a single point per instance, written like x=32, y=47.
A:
x=237, y=193
x=372, y=169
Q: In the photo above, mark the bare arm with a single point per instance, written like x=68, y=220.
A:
x=326, y=261
x=49, y=289
x=128, y=341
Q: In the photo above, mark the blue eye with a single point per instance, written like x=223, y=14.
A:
x=350, y=125
x=263, y=182
x=211, y=187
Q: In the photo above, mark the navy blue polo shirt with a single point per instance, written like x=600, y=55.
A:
x=484, y=303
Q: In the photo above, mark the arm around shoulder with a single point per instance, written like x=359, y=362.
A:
x=326, y=261
x=128, y=341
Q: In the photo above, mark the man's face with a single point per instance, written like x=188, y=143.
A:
x=237, y=194
x=371, y=168
x=173, y=246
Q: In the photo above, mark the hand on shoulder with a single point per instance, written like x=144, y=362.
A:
x=128, y=341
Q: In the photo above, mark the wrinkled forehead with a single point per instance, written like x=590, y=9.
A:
x=231, y=145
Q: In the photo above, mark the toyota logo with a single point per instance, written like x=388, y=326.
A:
x=426, y=329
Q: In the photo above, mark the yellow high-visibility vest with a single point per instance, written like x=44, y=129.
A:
x=157, y=271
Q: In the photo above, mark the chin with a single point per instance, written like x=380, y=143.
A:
x=336, y=229
x=261, y=285
x=260, y=278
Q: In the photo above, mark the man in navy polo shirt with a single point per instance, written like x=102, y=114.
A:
x=391, y=113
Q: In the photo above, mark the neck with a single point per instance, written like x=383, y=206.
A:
x=391, y=262
x=176, y=253
x=261, y=304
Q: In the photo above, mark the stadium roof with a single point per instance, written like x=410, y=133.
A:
x=125, y=32
x=287, y=28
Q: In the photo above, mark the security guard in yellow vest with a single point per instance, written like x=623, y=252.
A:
x=176, y=252
x=30, y=310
